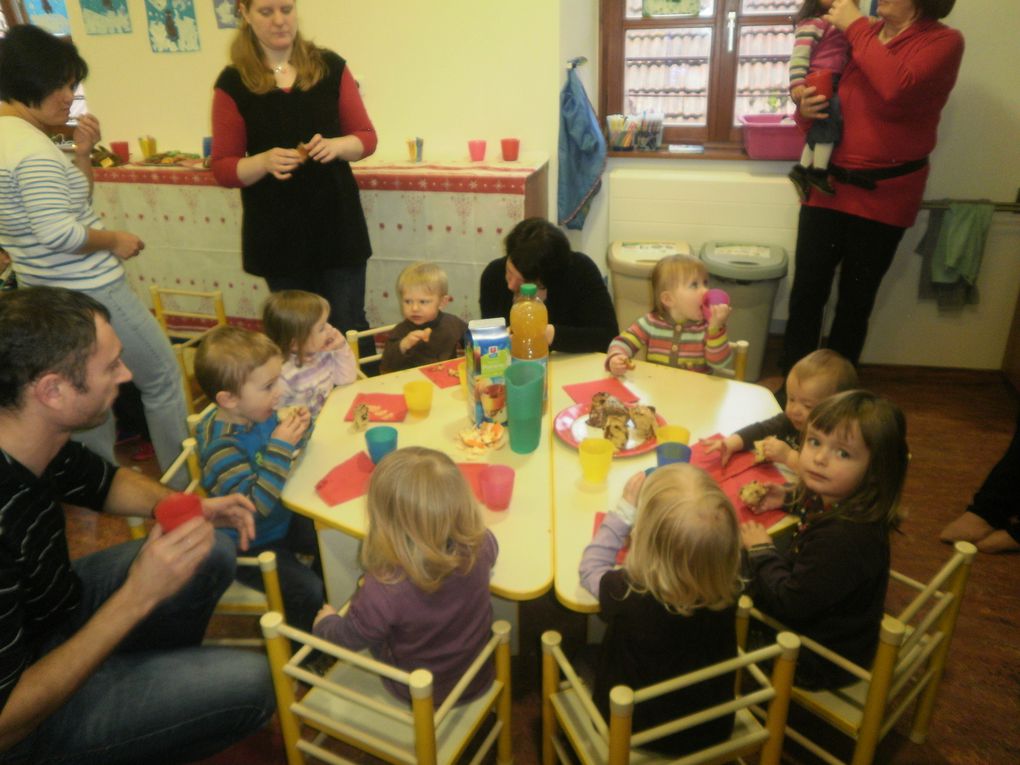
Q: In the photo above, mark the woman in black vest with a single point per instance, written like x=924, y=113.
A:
x=287, y=123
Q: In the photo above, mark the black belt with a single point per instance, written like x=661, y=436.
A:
x=867, y=179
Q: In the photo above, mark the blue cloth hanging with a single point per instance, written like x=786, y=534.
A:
x=582, y=152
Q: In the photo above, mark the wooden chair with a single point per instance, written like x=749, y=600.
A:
x=239, y=599
x=568, y=707
x=908, y=666
x=353, y=336
x=739, y=371
x=207, y=311
x=351, y=704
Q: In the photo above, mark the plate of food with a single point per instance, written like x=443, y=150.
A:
x=631, y=427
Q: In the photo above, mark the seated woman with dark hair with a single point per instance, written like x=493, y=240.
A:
x=581, y=316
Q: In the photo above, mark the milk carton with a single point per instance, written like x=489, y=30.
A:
x=486, y=357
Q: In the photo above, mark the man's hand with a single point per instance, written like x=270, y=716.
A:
x=293, y=427
x=167, y=561
x=233, y=511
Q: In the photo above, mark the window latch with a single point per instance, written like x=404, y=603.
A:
x=731, y=26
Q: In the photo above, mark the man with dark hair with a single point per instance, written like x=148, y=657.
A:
x=100, y=659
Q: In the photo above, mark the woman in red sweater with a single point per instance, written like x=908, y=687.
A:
x=901, y=71
x=287, y=123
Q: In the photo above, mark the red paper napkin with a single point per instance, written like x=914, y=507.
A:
x=445, y=374
x=582, y=392
x=346, y=481
x=382, y=407
x=712, y=463
x=472, y=472
x=621, y=554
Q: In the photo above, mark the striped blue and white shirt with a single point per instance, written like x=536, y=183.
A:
x=45, y=213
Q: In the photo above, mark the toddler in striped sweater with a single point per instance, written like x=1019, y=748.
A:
x=677, y=332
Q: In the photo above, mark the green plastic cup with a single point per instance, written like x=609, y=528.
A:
x=525, y=384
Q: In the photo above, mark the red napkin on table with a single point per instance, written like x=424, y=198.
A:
x=740, y=470
x=346, y=481
x=582, y=392
x=712, y=463
x=445, y=374
x=621, y=554
x=472, y=472
x=393, y=403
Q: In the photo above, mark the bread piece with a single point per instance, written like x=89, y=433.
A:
x=759, y=451
x=616, y=430
x=603, y=406
x=361, y=417
x=751, y=494
x=645, y=424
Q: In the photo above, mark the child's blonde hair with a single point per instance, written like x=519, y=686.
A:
x=288, y=317
x=425, y=275
x=829, y=364
x=884, y=432
x=669, y=273
x=423, y=522
x=685, y=544
x=227, y=356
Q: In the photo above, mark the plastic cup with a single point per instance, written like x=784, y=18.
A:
x=713, y=297
x=821, y=81
x=596, y=456
x=670, y=452
x=525, y=385
x=148, y=145
x=673, y=434
x=511, y=148
x=418, y=395
x=412, y=150
x=122, y=149
x=476, y=149
x=497, y=485
x=380, y=440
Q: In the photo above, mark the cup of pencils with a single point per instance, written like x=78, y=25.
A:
x=622, y=132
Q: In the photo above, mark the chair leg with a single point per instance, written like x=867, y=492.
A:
x=878, y=692
x=550, y=681
x=424, y=717
x=779, y=708
x=278, y=650
x=621, y=717
x=504, y=705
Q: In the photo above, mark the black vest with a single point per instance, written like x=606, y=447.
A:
x=313, y=220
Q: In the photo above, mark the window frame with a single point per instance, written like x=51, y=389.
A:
x=719, y=134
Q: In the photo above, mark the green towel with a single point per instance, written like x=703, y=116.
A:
x=962, y=242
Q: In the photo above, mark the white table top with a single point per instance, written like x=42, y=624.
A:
x=551, y=518
x=524, y=531
x=701, y=403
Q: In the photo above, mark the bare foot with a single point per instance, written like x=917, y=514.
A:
x=999, y=541
x=969, y=527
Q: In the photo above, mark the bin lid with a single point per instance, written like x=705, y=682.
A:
x=639, y=258
x=747, y=262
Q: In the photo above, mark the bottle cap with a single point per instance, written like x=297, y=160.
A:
x=529, y=290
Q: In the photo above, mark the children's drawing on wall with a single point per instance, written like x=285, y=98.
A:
x=105, y=17
x=51, y=15
x=226, y=12
x=172, y=25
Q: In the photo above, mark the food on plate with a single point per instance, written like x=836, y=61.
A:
x=616, y=431
x=603, y=406
x=481, y=438
x=751, y=494
x=173, y=158
x=361, y=413
x=759, y=451
x=622, y=423
x=643, y=418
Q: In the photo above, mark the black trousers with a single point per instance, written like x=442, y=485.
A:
x=996, y=501
x=864, y=250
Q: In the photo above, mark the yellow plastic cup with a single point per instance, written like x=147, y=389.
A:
x=673, y=434
x=462, y=374
x=418, y=395
x=596, y=456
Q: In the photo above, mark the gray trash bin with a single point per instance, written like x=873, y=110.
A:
x=750, y=273
x=631, y=265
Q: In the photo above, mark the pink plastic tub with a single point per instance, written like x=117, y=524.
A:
x=767, y=137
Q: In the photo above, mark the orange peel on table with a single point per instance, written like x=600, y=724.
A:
x=484, y=437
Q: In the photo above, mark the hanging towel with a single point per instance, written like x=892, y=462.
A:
x=582, y=152
x=953, y=247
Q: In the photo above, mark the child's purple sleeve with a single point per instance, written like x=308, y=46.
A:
x=600, y=555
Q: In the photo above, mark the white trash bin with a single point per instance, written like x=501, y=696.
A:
x=750, y=273
x=631, y=265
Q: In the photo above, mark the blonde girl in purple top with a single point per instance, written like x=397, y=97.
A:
x=317, y=356
x=424, y=602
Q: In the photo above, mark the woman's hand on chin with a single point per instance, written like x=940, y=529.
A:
x=843, y=13
x=86, y=135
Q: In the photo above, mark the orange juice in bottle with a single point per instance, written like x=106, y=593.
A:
x=528, y=320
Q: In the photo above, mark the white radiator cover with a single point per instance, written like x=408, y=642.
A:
x=746, y=205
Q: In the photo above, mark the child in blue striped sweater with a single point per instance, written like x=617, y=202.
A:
x=244, y=447
x=676, y=333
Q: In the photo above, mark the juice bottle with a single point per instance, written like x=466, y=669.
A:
x=528, y=320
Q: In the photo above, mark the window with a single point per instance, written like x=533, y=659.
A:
x=700, y=63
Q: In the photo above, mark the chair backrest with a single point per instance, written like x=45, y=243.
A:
x=353, y=336
x=907, y=669
x=740, y=349
x=618, y=740
x=349, y=702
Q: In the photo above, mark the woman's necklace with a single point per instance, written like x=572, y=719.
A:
x=281, y=68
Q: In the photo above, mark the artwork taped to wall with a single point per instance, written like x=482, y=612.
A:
x=172, y=26
x=227, y=15
x=50, y=15
x=105, y=17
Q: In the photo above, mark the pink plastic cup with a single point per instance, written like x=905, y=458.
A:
x=497, y=485
x=477, y=150
x=821, y=81
x=713, y=297
x=511, y=148
x=122, y=150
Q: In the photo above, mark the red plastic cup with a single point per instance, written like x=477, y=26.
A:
x=821, y=81
x=477, y=150
x=497, y=485
x=511, y=148
x=122, y=149
x=175, y=509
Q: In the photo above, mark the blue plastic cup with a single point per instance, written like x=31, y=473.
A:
x=207, y=146
x=381, y=440
x=670, y=452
